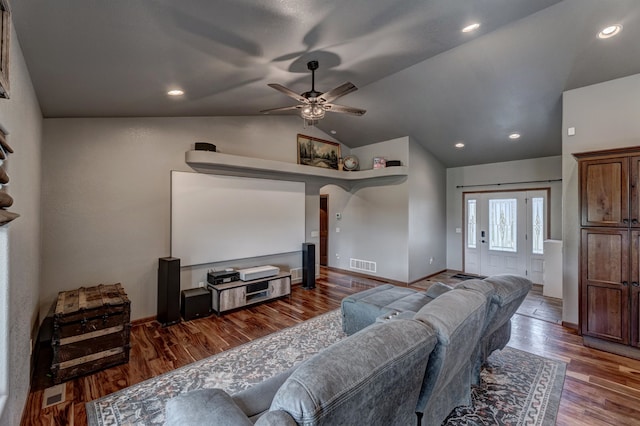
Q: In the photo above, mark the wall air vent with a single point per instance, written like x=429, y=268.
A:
x=362, y=265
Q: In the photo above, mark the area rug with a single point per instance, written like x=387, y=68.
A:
x=518, y=388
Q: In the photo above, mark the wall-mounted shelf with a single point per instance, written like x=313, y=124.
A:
x=215, y=162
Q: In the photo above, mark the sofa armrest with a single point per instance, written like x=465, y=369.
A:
x=204, y=407
x=436, y=289
x=257, y=399
x=276, y=418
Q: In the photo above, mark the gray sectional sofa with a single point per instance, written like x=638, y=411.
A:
x=401, y=367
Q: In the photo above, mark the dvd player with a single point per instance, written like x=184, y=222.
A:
x=222, y=277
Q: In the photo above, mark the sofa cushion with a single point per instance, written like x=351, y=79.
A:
x=372, y=377
x=204, y=407
x=458, y=317
x=361, y=309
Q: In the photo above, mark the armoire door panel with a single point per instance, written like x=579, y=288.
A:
x=605, y=283
x=635, y=316
x=605, y=192
x=635, y=288
x=634, y=204
x=605, y=253
x=606, y=313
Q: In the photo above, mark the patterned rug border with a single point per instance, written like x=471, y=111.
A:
x=235, y=369
x=93, y=419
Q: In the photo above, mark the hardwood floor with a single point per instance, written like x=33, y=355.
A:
x=599, y=389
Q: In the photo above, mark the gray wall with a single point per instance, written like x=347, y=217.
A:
x=374, y=225
x=397, y=225
x=106, y=188
x=605, y=116
x=427, y=213
x=546, y=168
x=20, y=116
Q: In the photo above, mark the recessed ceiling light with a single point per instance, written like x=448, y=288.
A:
x=610, y=31
x=175, y=92
x=514, y=136
x=333, y=132
x=471, y=27
x=459, y=145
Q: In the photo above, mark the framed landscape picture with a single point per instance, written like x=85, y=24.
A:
x=317, y=152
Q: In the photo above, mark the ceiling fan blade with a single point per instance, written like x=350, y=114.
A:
x=288, y=92
x=343, y=89
x=344, y=109
x=268, y=111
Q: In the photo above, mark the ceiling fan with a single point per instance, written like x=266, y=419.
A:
x=313, y=104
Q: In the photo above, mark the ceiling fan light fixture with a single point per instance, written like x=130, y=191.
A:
x=312, y=112
x=175, y=92
x=514, y=136
x=610, y=31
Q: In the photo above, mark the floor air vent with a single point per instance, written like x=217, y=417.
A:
x=362, y=265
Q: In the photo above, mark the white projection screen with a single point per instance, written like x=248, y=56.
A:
x=217, y=218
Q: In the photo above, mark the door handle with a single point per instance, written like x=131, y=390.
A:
x=634, y=221
x=635, y=284
x=624, y=283
x=625, y=221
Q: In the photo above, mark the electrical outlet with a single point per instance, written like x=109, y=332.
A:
x=201, y=284
x=431, y=260
x=337, y=256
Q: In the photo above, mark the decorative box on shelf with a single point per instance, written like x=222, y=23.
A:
x=91, y=329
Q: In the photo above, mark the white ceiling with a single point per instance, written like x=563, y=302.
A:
x=418, y=75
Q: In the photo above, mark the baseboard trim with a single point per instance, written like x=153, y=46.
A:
x=371, y=277
x=427, y=277
x=616, y=348
x=570, y=325
x=141, y=321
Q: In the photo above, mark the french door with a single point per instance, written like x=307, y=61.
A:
x=504, y=233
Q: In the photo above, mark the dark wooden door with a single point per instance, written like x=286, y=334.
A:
x=324, y=229
x=604, y=192
x=605, y=285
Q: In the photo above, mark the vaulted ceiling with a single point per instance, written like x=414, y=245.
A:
x=418, y=74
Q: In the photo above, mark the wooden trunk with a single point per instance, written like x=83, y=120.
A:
x=90, y=331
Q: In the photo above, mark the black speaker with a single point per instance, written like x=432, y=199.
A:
x=168, y=290
x=196, y=303
x=205, y=146
x=308, y=266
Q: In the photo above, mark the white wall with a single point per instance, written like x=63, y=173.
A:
x=20, y=116
x=546, y=168
x=106, y=191
x=605, y=116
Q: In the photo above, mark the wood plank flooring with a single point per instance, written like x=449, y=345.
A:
x=599, y=389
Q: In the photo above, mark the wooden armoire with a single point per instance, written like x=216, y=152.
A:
x=610, y=250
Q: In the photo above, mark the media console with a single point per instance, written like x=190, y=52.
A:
x=237, y=294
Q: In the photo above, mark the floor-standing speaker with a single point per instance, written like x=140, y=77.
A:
x=168, y=290
x=308, y=265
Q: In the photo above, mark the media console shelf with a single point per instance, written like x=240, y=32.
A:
x=215, y=162
x=237, y=294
